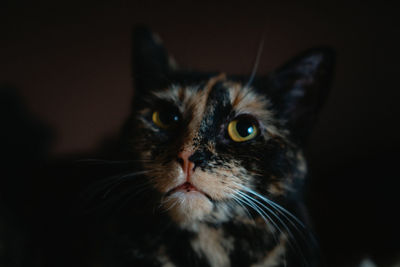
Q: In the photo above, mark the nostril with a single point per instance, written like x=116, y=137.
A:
x=180, y=161
x=196, y=164
x=197, y=159
x=190, y=164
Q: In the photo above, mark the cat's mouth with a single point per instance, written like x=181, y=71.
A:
x=187, y=187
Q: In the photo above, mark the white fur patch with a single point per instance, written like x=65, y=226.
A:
x=188, y=207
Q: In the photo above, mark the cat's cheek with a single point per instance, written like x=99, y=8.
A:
x=217, y=186
x=168, y=182
x=165, y=178
x=222, y=183
x=187, y=208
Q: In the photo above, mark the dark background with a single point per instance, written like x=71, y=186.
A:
x=71, y=64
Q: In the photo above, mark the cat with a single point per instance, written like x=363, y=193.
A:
x=219, y=163
x=208, y=170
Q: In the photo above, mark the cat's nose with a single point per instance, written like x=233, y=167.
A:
x=186, y=164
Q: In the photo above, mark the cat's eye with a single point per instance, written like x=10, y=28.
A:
x=165, y=118
x=242, y=129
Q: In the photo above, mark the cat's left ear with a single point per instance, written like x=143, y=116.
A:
x=150, y=60
x=299, y=88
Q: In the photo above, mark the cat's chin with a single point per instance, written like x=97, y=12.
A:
x=188, y=207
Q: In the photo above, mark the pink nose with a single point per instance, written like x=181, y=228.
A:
x=186, y=164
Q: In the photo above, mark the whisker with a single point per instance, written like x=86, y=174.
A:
x=288, y=216
x=277, y=206
x=122, y=179
x=103, y=161
x=256, y=63
x=109, y=184
x=294, y=244
x=292, y=241
x=272, y=203
x=165, y=201
x=142, y=188
x=256, y=208
x=306, y=234
x=282, y=211
x=257, y=203
x=238, y=200
x=109, y=203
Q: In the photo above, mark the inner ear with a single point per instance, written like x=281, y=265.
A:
x=151, y=62
x=299, y=88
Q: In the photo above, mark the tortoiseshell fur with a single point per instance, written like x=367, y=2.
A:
x=249, y=210
x=240, y=204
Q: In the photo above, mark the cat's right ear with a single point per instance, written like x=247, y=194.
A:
x=300, y=87
x=150, y=60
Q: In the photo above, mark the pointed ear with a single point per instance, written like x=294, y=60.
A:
x=150, y=60
x=299, y=88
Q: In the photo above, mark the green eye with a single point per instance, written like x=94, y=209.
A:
x=165, y=119
x=242, y=129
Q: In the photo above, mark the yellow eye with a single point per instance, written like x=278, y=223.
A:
x=165, y=119
x=242, y=129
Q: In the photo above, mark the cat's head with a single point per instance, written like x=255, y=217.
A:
x=211, y=143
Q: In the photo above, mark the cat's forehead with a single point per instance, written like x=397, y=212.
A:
x=215, y=95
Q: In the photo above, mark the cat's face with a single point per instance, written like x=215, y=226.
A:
x=206, y=145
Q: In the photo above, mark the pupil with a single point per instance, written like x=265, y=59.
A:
x=168, y=118
x=244, y=128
